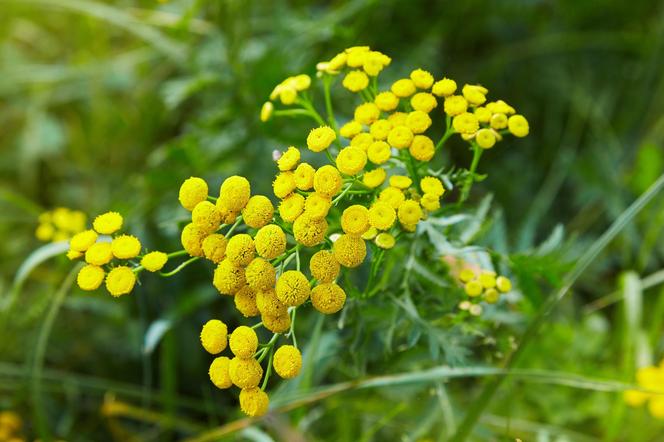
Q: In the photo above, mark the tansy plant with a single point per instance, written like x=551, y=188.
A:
x=367, y=185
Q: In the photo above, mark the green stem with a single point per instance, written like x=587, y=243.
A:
x=341, y=195
x=179, y=268
x=468, y=183
x=269, y=370
x=448, y=133
x=313, y=113
x=327, y=79
x=234, y=226
x=257, y=325
x=291, y=332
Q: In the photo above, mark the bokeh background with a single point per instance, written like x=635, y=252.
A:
x=111, y=104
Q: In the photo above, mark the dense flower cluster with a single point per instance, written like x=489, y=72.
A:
x=60, y=224
x=651, y=379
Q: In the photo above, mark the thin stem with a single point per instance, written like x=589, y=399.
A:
x=257, y=325
x=341, y=195
x=179, y=268
x=329, y=155
x=448, y=133
x=291, y=332
x=312, y=111
x=237, y=222
x=468, y=183
x=297, y=259
x=269, y=370
x=327, y=80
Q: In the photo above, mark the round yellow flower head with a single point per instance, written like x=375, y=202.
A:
x=485, y=138
x=283, y=184
x=99, y=253
x=90, y=277
x=287, y=361
x=304, y=176
x=355, y=220
x=491, y=296
x=260, y=274
x=258, y=212
x=309, y=231
x=409, y=212
x=218, y=373
x=432, y=185
x=351, y=160
x=474, y=94
x=349, y=250
x=518, y=126
x=266, y=111
x=192, y=239
x=400, y=137
x=500, y=107
x=483, y=114
x=327, y=181
x=503, y=284
x=120, y=281
x=270, y=241
x=422, y=148
x=380, y=129
x=228, y=278
x=473, y=288
x=214, y=336
x=245, y=373
x=370, y=234
x=374, y=178
x=276, y=324
x=392, y=196
x=289, y=159
x=214, y=247
x=350, y=129
x=418, y=121
x=403, y=88
x=366, y=113
x=467, y=274
x=382, y=215
x=430, y=202
x=423, y=102
x=83, y=240
x=287, y=95
x=254, y=402
x=398, y=118
x=488, y=279
x=291, y=207
x=386, y=101
x=154, y=261
x=268, y=303
x=465, y=123
x=292, y=288
x=379, y=152
x=385, y=241
x=328, y=298
x=421, y=78
x=245, y=302
x=455, y=105
x=240, y=249
x=73, y=254
x=227, y=215
x=363, y=140
x=499, y=121
x=356, y=56
x=126, y=247
x=234, y=193
x=192, y=191
x=374, y=62
x=243, y=342
x=444, y=87
x=320, y=138
x=400, y=181
x=317, y=206
x=107, y=223
x=206, y=217
x=356, y=81
x=324, y=266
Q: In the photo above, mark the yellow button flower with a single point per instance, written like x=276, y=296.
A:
x=485, y=138
x=258, y=212
x=400, y=181
x=99, y=253
x=266, y=111
x=499, y=121
x=455, y=105
x=351, y=160
x=245, y=373
x=349, y=250
x=83, y=240
x=214, y=336
x=403, y=88
x=304, y=176
x=380, y=129
x=234, y=193
x=292, y=288
x=473, y=288
x=243, y=342
x=518, y=126
x=409, y=212
x=356, y=81
x=421, y=78
x=503, y=284
x=107, y=223
x=386, y=101
x=284, y=184
x=214, y=247
x=270, y=241
x=328, y=298
x=245, y=302
x=309, y=231
x=465, y=123
x=154, y=261
x=268, y=303
x=422, y=148
x=474, y=94
x=385, y=241
x=218, y=373
x=126, y=247
x=392, y=196
x=287, y=361
x=317, y=206
x=260, y=274
x=379, y=152
x=400, y=137
x=240, y=249
x=366, y=113
x=320, y=138
x=120, y=281
x=276, y=324
x=444, y=87
x=289, y=159
x=90, y=277
x=206, y=217
x=430, y=202
x=423, y=102
x=350, y=129
x=228, y=278
x=374, y=178
x=192, y=191
x=323, y=266
x=355, y=219
x=254, y=402
x=432, y=185
x=327, y=181
x=291, y=207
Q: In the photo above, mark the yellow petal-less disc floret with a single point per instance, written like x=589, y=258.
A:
x=287, y=361
x=491, y=296
x=350, y=129
x=328, y=298
x=424, y=102
x=289, y=159
x=467, y=275
x=488, y=279
x=90, y=277
x=363, y=141
x=206, y=217
x=214, y=336
x=430, y=202
x=214, y=247
x=126, y=247
x=455, y=105
x=245, y=373
x=518, y=126
x=83, y=240
x=503, y=284
x=73, y=254
x=382, y=215
x=356, y=81
x=270, y=241
x=234, y=193
x=291, y=207
x=418, y=122
x=392, y=196
x=284, y=184
x=304, y=176
x=432, y=185
x=154, y=261
x=422, y=148
x=499, y=121
x=421, y=79
x=327, y=181
x=386, y=101
x=366, y=113
x=409, y=212
x=292, y=288
x=268, y=303
x=192, y=191
x=245, y=302
x=218, y=373
x=385, y=241
x=228, y=278
x=465, y=123
x=355, y=219
x=379, y=152
x=320, y=138
x=276, y=324
x=349, y=250
x=444, y=87
x=260, y=274
x=380, y=129
x=309, y=231
x=400, y=137
x=400, y=181
x=254, y=402
x=107, y=223
x=258, y=212
x=403, y=88
x=240, y=249
x=317, y=206
x=99, y=253
x=473, y=288
x=323, y=266
x=351, y=160
x=485, y=138
x=243, y=342
x=374, y=178
x=120, y=281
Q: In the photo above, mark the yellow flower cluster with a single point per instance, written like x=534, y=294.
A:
x=484, y=284
x=60, y=224
x=650, y=378
x=286, y=92
x=11, y=426
x=104, y=256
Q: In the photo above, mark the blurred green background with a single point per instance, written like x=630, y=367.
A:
x=110, y=105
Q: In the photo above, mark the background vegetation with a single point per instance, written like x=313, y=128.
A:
x=112, y=104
